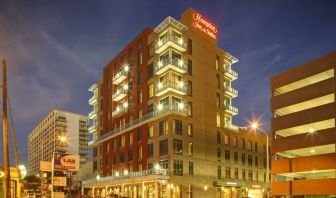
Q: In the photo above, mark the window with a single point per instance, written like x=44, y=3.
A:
x=218, y=137
x=190, y=149
x=227, y=155
x=236, y=173
x=151, y=131
x=235, y=141
x=140, y=96
x=150, y=150
x=164, y=164
x=164, y=147
x=256, y=147
x=219, y=154
x=177, y=147
x=243, y=174
x=139, y=78
x=191, y=168
x=189, y=46
x=139, y=43
x=256, y=161
x=218, y=81
x=178, y=167
x=122, y=141
x=163, y=127
x=218, y=119
x=140, y=152
x=151, y=90
x=249, y=145
x=217, y=63
x=218, y=100
x=250, y=175
x=189, y=91
x=114, y=159
x=235, y=157
x=150, y=108
x=122, y=157
x=226, y=139
x=130, y=52
x=139, y=58
x=264, y=163
x=150, y=50
x=257, y=176
x=178, y=126
x=243, y=158
x=190, y=130
x=189, y=67
x=139, y=134
x=227, y=172
x=189, y=109
x=249, y=160
x=243, y=143
x=131, y=138
x=219, y=172
x=150, y=71
x=130, y=155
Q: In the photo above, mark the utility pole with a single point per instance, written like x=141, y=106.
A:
x=5, y=130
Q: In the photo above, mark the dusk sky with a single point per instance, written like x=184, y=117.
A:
x=56, y=49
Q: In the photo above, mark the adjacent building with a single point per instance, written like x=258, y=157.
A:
x=164, y=111
x=303, y=126
x=60, y=131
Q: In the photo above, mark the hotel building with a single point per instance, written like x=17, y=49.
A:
x=60, y=131
x=303, y=126
x=166, y=119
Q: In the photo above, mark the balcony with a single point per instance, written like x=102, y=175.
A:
x=231, y=127
x=165, y=87
x=93, y=100
x=161, y=111
x=230, y=109
x=92, y=128
x=230, y=91
x=120, y=110
x=120, y=94
x=122, y=75
x=170, y=63
x=93, y=114
x=230, y=73
x=170, y=40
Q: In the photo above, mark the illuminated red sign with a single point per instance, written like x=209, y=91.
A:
x=203, y=24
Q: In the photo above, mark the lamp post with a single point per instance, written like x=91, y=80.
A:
x=255, y=125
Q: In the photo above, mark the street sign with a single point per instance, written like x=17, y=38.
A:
x=60, y=181
x=45, y=166
x=66, y=162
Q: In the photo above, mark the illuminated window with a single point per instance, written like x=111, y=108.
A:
x=178, y=167
x=177, y=147
x=227, y=172
x=219, y=172
x=189, y=109
x=226, y=139
x=151, y=90
x=122, y=141
x=151, y=131
x=243, y=174
x=163, y=127
x=140, y=96
x=236, y=173
x=235, y=157
x=218, y=119
x=140, y=152
x=249, y=145
x=140, y=113
x=235, y=141
x=190, y=130
x=218, y=137
x=178, y=127
x=191, y=168
x=217, y=63
x=131, y=138
x=227, y=155
x=190, y=149
x=163, y=147
x=150, y=150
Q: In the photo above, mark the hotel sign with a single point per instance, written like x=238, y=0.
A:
x=66, y=162
x=204, y=25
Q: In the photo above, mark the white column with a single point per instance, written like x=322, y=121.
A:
x=93, y=192
x=156, y=188
x=143, y=190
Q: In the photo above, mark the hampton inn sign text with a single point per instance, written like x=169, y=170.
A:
x=204, y=25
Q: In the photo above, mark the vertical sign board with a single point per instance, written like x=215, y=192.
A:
x=66, y=162
x=204, y=25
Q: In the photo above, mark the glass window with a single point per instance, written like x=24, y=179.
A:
x=150, y=50
x=150, y=71
x=243, y=174
x=139, y=58
x=164, y=164
x=219, y=154
x=250, y=175
x=256, y=147
x=189, y=67
x=218, y=119
x=189, y=46
x=219, y=172
x=130, y=155
x=235, y=141
x=177, y=147
x=190, y=130
x=191, y=168
x=243, y=158
x=164, y=147
x=122, y=157
x=122, y=141
x=178, y=126
x=249, y=160
x=190, y=149
x=151, y=90
x=226, y=139
x=189, y=91
x=243, y=143
x=189, y=109
x=163, y=127
x=131, y=138
x=218, y=137
x=178, y=167
x=217, y=63
x=249, y=145
x=236, y=173
x=150, y=149
x=256, y=161
x=139, y=78
x=235, y=157
x=151, y=131
x=227, y=172
x=227, y=155
x=140, y=152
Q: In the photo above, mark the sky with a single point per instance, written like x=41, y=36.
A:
x=56, y=49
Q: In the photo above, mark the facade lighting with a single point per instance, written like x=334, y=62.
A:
x=126, y=172
x=160, y=85
x=125, y=104
x=180, y=105
x=180, y=62
x=312, y=151
x=160, y=43
x=117, y=174
x=126, y=68
x=98, y=177
x=181, y=84
x=160, y=106
x=311, y=130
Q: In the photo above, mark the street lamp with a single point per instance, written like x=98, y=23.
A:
x=255, y=126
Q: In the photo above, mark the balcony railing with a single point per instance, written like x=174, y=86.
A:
x=122, y=75
x=230, y=109
x=93, y=99
x=120, y=110
x=119, y=94
x=231, y=127
x=170, y=40
x=230, y=91
x=170, y=63
x=128, y=175
x=230, y=73
x=93, y=114
x=164, y=87
x=92, y=128
x=162, y=111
